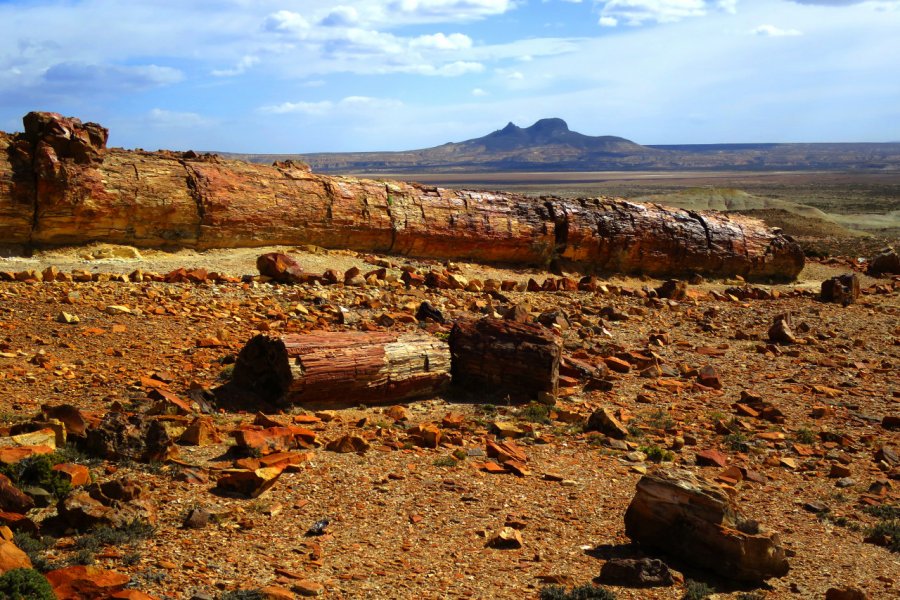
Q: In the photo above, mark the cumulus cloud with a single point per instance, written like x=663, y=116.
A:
x=773, y=31
x=639, y=12
x=449, y=10
x=439, y=41
x=479, y=93
x=341, y=16
x=239, y=69
x=286, y=21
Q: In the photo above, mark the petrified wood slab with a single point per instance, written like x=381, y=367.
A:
x=505, y=358
x=694, y=520
x=59, y=184
x=343, y=368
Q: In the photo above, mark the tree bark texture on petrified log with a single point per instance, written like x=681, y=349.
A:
x=343, y=367
x=59, y=184
x=505, y=358
x=692, y=518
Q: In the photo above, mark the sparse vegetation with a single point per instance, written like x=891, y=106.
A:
x=445, y=461
x=536, y=412
x=582, y=592
x=656, y=454
x=38, y=471
x=805, y=435
x=737, y=441
x=89, y=543
x=243, y=595
x=25, y=584
x=697, y=590
x=35, y=548
x=661, y=419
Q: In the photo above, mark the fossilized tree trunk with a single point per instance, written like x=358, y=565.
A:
x=505, y=358
x=343, y=368
x=59, y=184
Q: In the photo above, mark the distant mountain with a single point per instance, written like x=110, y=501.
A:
x=549, y=145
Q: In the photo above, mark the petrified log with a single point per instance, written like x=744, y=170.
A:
x=343, y=368
x=59, y=184
x=694, y=519
x=843, y=289
x=505, y=358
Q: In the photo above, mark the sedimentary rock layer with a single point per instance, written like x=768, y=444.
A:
x=59, y=184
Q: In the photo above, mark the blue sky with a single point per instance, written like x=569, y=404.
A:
x=355, y=75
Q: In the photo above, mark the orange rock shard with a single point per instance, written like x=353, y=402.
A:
x=59, y=184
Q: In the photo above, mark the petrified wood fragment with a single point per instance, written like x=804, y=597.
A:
x=505, y=358
x=695, y=520
x=343, y=368
x=843, y=289
x=59, y=184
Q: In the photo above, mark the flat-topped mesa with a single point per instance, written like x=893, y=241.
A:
x=59, y=184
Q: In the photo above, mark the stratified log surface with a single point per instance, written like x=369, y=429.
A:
x=504, y=358
x=59, y=184
x=343, y=367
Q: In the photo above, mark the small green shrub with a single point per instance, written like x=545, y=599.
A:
x=445, y=461
x=25, y=584
x=884, y=511
x=656, y=454
x=889, y=529
x=35, y=549
x=226, y=373
x=89, y=543
x=737, y=441
x=243, y=595
x=583, y=592
x=697, y=590
x=660, y=419
x=536, y=412
x=805, y=435
x=38, y=471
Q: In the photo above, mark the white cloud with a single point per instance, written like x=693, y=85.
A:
x=453, y=69
x=479, y=93
x=286, y=21
x=729, y=6
x=639, y=12
x=341, y=16
x=449, y=10
x=773, y=31
x=169, y=118
x=349, y=104
x=440, y=41
x=239, y=69
x=308, y=108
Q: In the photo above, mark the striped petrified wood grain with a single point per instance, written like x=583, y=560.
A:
x=59, y=184
x=343, y=367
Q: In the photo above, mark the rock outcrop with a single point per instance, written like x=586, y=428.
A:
x=695, y=520
x=59, y=184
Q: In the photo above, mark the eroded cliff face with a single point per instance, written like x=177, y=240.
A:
x=59, y=184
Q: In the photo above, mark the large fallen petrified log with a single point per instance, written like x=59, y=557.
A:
x=505, y=358
x=59, y=184
x=343, y=367
x=694, y=520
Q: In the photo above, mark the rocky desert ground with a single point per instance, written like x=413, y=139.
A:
x=279, y=422
x=801, y=432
